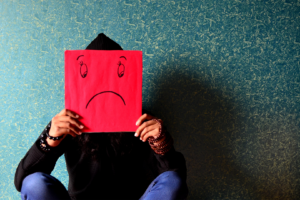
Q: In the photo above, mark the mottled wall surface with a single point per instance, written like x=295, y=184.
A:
x=223, y=75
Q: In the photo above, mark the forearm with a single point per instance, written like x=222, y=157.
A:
x=163, y=143
x=54, y=143
x=170, y=161
x=37, y=160
x=51, y=144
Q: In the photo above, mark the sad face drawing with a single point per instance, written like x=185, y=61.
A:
x=84, y=71
x=105, y=88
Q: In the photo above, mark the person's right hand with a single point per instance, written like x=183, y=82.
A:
x=64, y=123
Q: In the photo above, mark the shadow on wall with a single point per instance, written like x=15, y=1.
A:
x=205, y=125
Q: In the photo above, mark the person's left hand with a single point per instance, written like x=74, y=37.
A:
x=148, y=128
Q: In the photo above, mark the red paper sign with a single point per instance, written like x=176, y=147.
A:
x=104, y=88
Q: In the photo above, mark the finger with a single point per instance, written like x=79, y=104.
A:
x=65, y=112
x=68, y=125
x=143, y=118
x=66, y=131
x=72, y=114
x=141, y=128
x=70, y=120
x=62, y=112
x=147, y=130
x=147, y=135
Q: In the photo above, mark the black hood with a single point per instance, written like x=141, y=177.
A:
x=102, y=42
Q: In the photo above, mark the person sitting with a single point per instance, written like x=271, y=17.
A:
x=103, y=165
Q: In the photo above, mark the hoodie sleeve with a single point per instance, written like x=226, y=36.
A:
x=170, y=161
x=36, y=160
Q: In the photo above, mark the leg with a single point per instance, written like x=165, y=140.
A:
x=167, y=186
x=43, y=186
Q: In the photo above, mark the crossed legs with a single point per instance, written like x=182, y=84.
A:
x=37, y=186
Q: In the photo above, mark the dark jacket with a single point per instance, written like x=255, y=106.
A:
x=108, y=177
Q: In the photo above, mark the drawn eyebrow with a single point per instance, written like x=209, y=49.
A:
x=123, y=57
x=79, y=56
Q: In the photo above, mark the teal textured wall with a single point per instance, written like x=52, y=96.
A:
x=223, y=75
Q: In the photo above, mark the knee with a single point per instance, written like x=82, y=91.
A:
x=37, y=184
x=174, y=184
x=42, y=186
x=172, y=178
x=33, y=181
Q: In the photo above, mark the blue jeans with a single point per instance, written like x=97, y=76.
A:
x=37, y=186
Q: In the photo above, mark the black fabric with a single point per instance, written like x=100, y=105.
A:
x=102, y=42
x=111, y=176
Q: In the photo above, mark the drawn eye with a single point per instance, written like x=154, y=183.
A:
x=121, y=69
x=83, y=66
x=121, y=66
x=83, y=70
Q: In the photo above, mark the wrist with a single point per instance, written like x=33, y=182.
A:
x=162, y=144
x=43, y=143
x=52, y=143
x=47, y=142
x=47, y=131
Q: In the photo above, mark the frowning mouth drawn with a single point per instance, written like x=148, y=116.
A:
x=103, y=93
